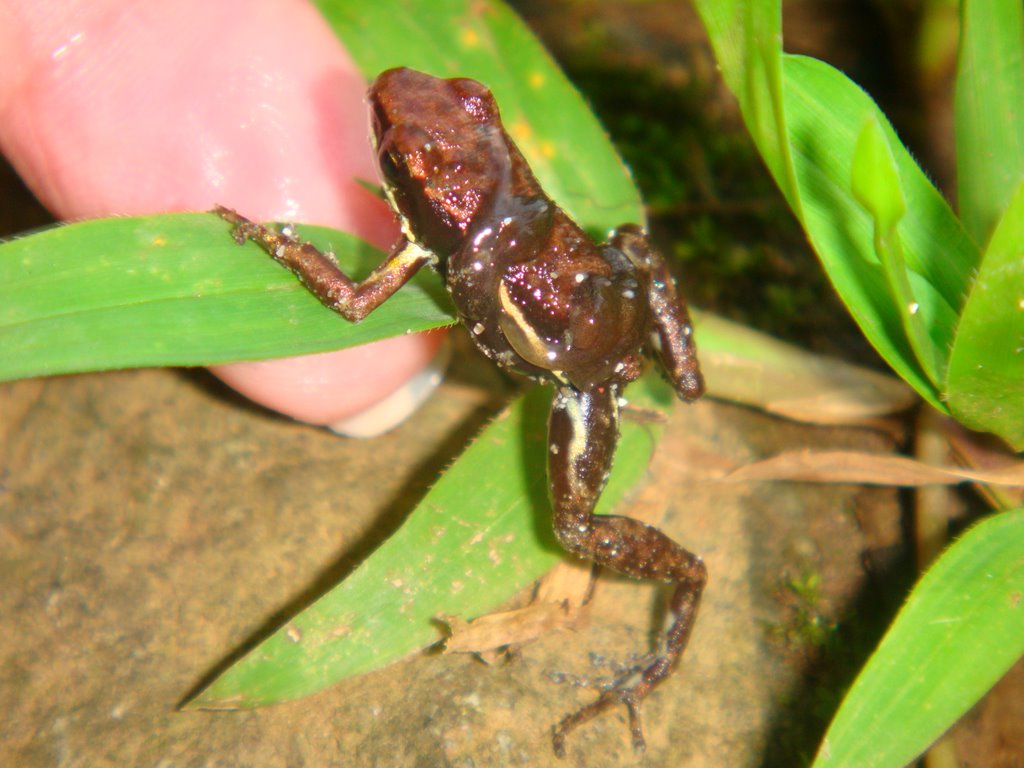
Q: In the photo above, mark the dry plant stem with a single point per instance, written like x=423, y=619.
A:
x=832, y=466
x=932, y=503
x=932, y=513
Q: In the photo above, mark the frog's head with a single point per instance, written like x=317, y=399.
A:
x=440, y=149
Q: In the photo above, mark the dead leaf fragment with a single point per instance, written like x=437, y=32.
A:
x=749, y=367
x=869, y=469
x=569, y=583
x=495, y=630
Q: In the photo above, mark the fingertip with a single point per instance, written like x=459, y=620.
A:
x=165, y=107
x=361, y=391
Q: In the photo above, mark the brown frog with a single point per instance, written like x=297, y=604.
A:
x=540, y=299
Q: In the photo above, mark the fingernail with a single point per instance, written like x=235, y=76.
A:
x=400, y=404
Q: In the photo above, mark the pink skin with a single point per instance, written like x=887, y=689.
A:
x=109, y=107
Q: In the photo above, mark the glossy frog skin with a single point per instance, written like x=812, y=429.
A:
x=540, y=299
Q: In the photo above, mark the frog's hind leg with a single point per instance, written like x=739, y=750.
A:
x=671, y=332
x=582, y=433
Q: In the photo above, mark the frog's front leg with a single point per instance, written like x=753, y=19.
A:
x=582, y=433
x=320, y=273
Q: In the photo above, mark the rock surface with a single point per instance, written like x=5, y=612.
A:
x=151, y=523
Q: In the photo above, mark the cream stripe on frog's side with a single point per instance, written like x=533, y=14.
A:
x=413, y=252
x=577, y=446
x=403, y=220
x=523, y=338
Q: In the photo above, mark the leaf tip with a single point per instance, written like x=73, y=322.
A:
x=875, y=181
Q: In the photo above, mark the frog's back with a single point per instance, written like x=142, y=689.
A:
x=541, y=298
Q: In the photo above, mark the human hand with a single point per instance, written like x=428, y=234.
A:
x=109, y=107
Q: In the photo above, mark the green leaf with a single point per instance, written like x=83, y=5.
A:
x=817, y=115
x=825, y=113
x=989, y=108
x=944, y=666
x=177, y=290
x=876, y=186
x=561, y=138
x=875, y=182
x=478, y=536
x=961, y=629
x=986, y=369
x=747, y=41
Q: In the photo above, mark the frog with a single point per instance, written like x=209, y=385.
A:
x=541, y=299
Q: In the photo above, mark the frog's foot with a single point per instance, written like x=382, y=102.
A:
x=620, y=672
x=631, y=697
x=639, y=679
x=635, y=681
x=244, y=229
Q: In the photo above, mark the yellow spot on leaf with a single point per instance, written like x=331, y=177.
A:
x=521, y=131
x=547, y=149
x=469, y=38
x=341, y=630
x=493, y=555
x=536, y=80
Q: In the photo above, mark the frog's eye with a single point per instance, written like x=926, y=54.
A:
x=390, y=164
x=407, y=152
